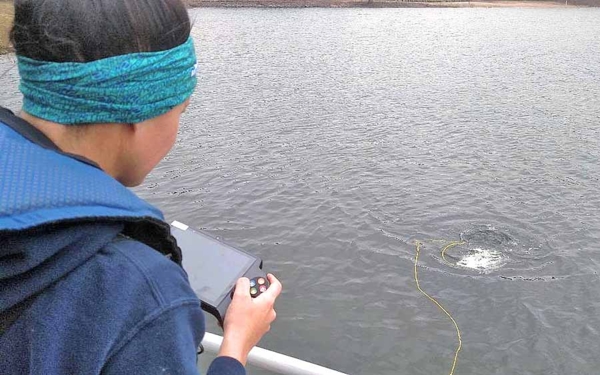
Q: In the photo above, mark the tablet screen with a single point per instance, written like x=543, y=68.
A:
x=213, y=268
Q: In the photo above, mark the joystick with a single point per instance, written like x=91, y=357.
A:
x=258, y=285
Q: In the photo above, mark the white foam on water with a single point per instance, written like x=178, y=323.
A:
x=482, y=260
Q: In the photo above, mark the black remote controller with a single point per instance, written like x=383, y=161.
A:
x=213, y=268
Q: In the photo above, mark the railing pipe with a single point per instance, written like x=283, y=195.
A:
x=272, y=361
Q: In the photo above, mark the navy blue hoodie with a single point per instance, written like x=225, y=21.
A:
x=95, y=266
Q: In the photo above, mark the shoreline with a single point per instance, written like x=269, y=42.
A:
x=389, y=4
x=6, y=7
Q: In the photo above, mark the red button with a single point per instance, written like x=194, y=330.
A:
x=263, y=288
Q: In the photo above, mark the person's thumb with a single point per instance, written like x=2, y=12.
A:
x=242, y=287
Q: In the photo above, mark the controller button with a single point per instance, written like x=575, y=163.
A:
x=253, y=291
x=263, y=288
x=252, y=282
x=261, y=281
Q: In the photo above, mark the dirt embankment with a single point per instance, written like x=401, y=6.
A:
x=6, y=16
x=392, y=3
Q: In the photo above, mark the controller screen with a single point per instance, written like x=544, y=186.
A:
x=213, y=268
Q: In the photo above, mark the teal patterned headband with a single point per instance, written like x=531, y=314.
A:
x=121, y=89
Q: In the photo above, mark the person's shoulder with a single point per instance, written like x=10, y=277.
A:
x=126, y=296
x=143, y=271
x=160, y=319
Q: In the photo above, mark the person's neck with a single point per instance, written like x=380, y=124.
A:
x=103, y=150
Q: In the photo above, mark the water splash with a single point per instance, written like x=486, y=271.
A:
x=482, y=260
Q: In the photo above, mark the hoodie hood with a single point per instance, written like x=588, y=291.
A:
x=56, y=212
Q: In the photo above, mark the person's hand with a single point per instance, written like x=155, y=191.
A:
x=248, y=319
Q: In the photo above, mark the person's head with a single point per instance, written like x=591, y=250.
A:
x=110, y=75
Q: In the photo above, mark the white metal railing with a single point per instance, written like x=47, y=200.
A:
x=272, y=361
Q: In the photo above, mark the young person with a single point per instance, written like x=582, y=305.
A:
x=90, y=277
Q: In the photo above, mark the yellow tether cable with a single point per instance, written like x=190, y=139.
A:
x=451, y=244
x=418, y=244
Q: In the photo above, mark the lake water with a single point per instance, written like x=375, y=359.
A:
x=327, y=141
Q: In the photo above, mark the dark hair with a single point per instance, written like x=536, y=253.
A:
x=89, y=30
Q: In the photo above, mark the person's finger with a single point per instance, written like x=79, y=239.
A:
x=242, y=287
x=275, y=288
